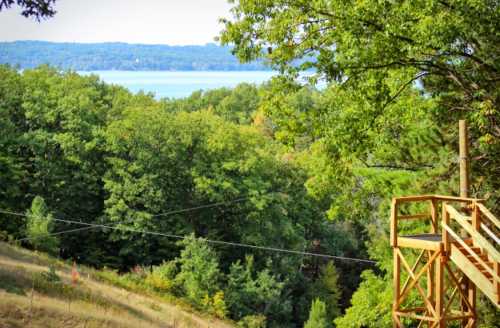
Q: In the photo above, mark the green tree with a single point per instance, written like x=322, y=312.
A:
x=39, y=226
x=250, y=293
x=372, y=52
x=199, y=270
x=371, y=304
x=317, y=316
x=11, y=173
x=328, y=290
x=38, y=9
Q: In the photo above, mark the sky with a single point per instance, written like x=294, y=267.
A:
x=173, y=22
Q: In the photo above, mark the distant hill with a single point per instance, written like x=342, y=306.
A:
x=122, y=56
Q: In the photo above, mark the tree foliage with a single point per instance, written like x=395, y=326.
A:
x=199, y=270
x=317, y=316
x=40, y=223
x=279, y=165
x=372, y=53
x=38, y=9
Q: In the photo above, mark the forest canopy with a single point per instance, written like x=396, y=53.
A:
x=289, y=166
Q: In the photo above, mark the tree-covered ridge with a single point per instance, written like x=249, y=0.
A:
x=122, y=56
x=297, y=167
x=73, y=147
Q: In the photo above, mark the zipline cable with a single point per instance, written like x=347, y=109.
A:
x=155, y=215
x=220, y=242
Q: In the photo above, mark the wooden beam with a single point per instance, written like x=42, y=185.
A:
x=394, y=223
x=439, y=304
x=416, y=282
x=407, y=289
x=478, y=238
x=464, y=159
x=434, y=216
x=488, y=214
x=414, y=216
x=478, y=259
x=397, y=287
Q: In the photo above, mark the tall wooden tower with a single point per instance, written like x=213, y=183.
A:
x=437, y=271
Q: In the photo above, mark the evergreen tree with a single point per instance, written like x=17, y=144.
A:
x=200, y=272
x=39, y=226
x=317, y=315
x=328, y=291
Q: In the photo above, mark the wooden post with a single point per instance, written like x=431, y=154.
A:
x=467, y=286
x=394, y=223
x=434, y=216
x=446, y=235
x=439, y=305
x=397, y=286
x=431, y=272
x=464, y=159
x=476, y=217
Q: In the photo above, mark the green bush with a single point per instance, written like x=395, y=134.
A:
x=253, y=321
x=215, y=305
x=162, y=277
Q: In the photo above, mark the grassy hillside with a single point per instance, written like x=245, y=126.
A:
x=36, y=291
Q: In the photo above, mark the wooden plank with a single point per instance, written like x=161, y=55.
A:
x=466, y=247
x=418, y=243
x=415, y=316
x=434, y=216
x=417, y=198
x=490, y=233
x=476, y=236
x=394, y=223
x=414, y=309
x=396, y=279
x=496, y=267
x=450, y=299
x=413, y=269
x=416, y=278
x=406, y=290
x=460, y=291
x=430, y=280
x=486, y=212
x=470, y=270
x=446, y=235
x=456, y=199
x=439, y=304
x=415, y=216
x=476, y=217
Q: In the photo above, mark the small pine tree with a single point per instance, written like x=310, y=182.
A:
x=317, y=315
x=39, y=226
x=329, y=291
x=199, y=270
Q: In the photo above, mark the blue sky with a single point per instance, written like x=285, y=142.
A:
x=176, y=22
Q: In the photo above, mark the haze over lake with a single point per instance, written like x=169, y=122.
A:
x=177, y=84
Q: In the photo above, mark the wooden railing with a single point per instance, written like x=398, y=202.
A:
x=479, y=227
x=433, y=212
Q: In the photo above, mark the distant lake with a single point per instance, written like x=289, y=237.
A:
x=180, y=83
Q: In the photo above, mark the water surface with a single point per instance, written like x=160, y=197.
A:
x=180, y=83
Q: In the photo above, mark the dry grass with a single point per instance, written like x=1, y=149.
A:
x=89, y=304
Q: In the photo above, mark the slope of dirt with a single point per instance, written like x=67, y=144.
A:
x=92, y=303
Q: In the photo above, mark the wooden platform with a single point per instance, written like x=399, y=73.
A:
x=428, y=241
